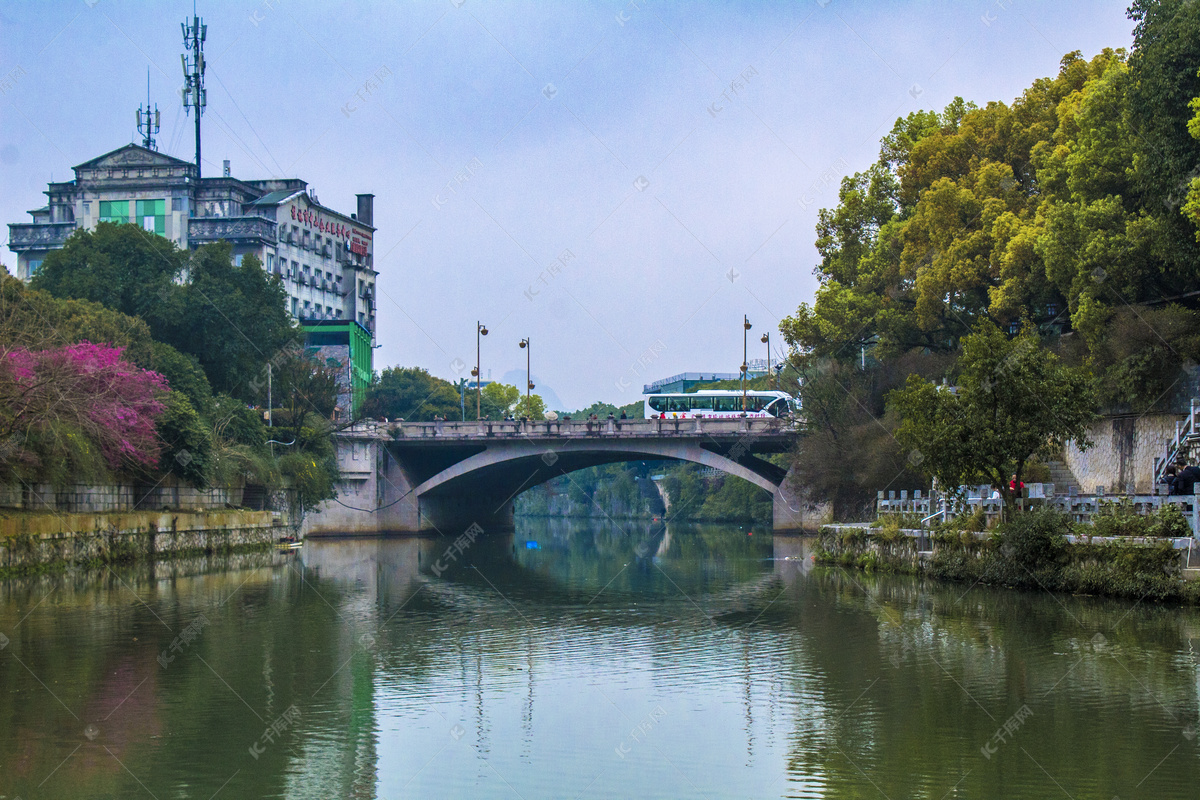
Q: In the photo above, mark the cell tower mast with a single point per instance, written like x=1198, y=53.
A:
x=147, y=120
x=194, y=95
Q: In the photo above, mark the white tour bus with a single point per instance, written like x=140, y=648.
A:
x=720, y=403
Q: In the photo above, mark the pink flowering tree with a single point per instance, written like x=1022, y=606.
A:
x=80, y=398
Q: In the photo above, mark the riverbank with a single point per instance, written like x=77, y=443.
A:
x=41, y=541
x=1028, y=554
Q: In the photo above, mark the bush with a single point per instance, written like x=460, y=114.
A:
x=1168, y=521
x=1030, y=550
x=1117, y=519
x=1120, y=519
x=187, y=441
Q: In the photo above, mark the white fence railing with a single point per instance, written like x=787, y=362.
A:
x=1079, y=507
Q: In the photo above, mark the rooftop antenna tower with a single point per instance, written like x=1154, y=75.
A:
x=147, y=120
x=194, y=95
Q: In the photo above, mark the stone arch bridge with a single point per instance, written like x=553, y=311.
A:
x=444, y=476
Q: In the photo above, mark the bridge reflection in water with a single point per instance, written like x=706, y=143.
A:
x=444, y=476
x=585, y=660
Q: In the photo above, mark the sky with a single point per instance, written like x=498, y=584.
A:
x=619, y=181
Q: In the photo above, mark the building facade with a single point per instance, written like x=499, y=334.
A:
x=323, y=257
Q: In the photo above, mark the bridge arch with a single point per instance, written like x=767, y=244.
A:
x=530, y=464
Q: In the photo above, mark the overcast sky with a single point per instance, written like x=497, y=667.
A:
x=619, y=181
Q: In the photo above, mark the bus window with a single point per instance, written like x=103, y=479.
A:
x=727, y=404
x=678, y=404
x=658, y=403
x=779, y=408
x=702, y=402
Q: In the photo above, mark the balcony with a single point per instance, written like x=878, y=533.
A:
x=243, y=230
x=39, y=236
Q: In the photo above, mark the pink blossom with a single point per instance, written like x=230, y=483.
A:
x=93, y=388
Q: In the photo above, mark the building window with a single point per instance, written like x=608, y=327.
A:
x=339, y=313
x=114, y=211
x=152, y=215
x=270, y=263
x=295, y=303
x=34, y=265
x=237, y=260
x=177, y=204
x=87, y=207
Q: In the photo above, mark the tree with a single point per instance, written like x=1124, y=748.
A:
x=59, y=404
x=1013, y=399
x=848, y=451
x=634, y=410
x=530, y=407
x=302, y=386
x=497, y=400
x=232, y=318
x=1061, y=209
x=187, y=441
x=412, y=394
x=120, y=266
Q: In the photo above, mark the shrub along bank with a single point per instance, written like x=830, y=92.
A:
x=1030, y=552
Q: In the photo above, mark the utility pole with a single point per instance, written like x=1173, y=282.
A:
x=194, y=94
x=147, y=120
x=766, y=339
x=528, y=348
x=480, y=330
x=745, y=365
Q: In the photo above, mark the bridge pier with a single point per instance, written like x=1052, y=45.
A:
x=792, y=510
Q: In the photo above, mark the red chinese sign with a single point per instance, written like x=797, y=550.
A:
x=315, y=220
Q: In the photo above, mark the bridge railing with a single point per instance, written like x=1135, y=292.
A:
x=622, y=428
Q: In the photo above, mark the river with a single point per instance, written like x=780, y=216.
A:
x=583, y=659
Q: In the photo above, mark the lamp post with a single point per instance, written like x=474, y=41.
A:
x=745, y=366
x=480, y=331
x=528, y=375
x=766, y=339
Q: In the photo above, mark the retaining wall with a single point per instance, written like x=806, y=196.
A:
x=31, y=540
x=1121, y=458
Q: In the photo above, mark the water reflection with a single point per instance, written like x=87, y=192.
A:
x=584, y=660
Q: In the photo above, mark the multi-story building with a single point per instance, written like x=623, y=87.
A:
x=323, y=257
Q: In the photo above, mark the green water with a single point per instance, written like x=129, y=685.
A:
x=591, y=661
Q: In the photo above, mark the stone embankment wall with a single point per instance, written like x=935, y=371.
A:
x=1123, y=452
x=36, y=540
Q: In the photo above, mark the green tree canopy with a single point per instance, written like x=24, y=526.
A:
x=1062, y=209
x=412, y=394
x=530, y=407
x=232, y=319
x=1013, y=400
x=498, y=399
x=121, y=266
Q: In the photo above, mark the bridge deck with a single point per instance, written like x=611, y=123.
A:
x=699, y=428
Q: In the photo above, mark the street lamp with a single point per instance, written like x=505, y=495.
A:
x=480, y=330
x=745, y=366
x=766, y=339
x=528, y=375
